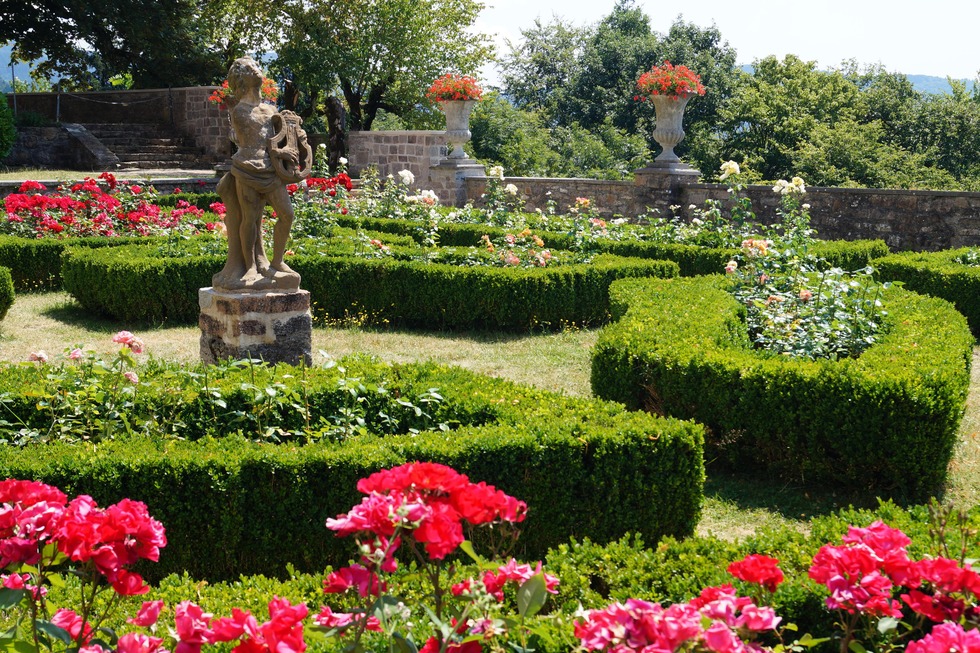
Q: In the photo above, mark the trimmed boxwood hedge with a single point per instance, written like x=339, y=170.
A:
x=6, y=291
x=232, y=506
x=692, y=259
x=382, y=290
x=885, y=422
x=35, y=263
x=939, y=275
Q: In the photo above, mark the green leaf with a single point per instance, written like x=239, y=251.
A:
x=808, y=641
x=9, y=598
x=404, y=645
x=856, y=647
x=54, y=632
x=531, y=596
x=468, y=549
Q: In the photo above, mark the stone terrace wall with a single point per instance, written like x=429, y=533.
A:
x=393, y=151
x=185, y=109
x=905, y=219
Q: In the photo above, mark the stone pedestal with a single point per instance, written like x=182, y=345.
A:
x=446, y=179
x=275, y=327
x=659, y=184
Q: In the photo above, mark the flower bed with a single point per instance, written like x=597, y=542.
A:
x=883, y=423
x=949, y=274
x=266, y=503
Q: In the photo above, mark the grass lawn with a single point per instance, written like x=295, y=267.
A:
x=554, y=361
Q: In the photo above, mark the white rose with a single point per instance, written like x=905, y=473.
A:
x=510, y=188
x=342, y=160
x=729, y=168
x=406, y=177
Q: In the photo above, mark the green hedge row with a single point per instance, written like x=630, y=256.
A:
x=693, y=259
x=381, y=290
x=938, y=274
x=233, y=506
x=35, y=264
x=6, y=291
x=885, y=422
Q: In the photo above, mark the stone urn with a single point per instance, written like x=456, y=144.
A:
x=670, y=123
x=457, y=125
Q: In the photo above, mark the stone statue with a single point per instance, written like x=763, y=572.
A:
x=272, y=152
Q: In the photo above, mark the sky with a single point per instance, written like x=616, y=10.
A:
x=936, y=38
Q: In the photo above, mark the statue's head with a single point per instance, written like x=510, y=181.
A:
x=244, y=72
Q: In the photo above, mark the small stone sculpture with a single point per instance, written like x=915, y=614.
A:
x=272, y=152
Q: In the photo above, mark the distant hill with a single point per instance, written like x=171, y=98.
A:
x=921, y=83
x=21, y=70
x=928, y=84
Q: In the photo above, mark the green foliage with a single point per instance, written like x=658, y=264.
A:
x=378, y=54
x=383, y=289
x=948, y=274
x=156, y=45
x=8, y=133
x=568, y=458
x=35, y=264
x=6, y=291
x=584, y=80
x=883, y=423
x=849, y=128
x=520, y=141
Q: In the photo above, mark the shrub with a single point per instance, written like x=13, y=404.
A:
x=883, y=423
x=8, y=133
x=383, y=289
x=6, y=291
x=939, y=274
x=570, y=458
x=35, y=264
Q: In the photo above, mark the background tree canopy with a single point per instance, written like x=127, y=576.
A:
x=565, y=105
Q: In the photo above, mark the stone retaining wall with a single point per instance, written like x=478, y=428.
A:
x=905, y=219
x=187, y=110
x=393, y=151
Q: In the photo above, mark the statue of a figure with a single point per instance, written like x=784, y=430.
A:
x=272, y=152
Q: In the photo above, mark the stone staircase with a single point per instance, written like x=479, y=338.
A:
x=148, y=146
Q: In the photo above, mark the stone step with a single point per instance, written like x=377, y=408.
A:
x=169, y=156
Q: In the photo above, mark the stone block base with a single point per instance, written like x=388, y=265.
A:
x=275, y=327
x=446, y=179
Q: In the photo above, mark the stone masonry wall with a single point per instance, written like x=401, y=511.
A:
x=393, y=151
x=905, y=219
x=185, y=109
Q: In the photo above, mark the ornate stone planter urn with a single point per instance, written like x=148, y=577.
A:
x=669, y=88
x=455, y=95
x=457, y=125
x=670, y=123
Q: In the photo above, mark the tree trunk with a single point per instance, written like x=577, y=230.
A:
x=337, y=132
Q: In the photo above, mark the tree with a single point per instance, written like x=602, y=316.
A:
x=616, y=51
x=539, y=69
x=774, y=113
x=85, y=44
x=947, y=130
x=378, y=54
x=588, y=77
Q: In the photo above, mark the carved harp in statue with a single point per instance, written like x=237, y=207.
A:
x=291, y=154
